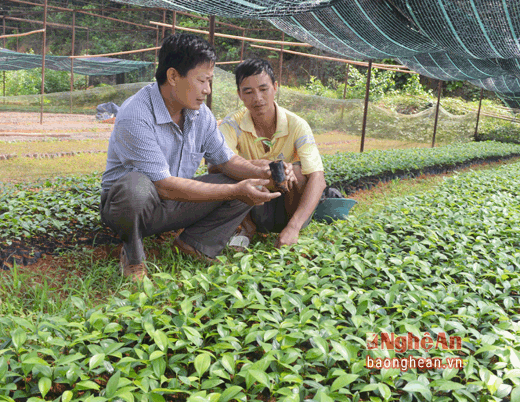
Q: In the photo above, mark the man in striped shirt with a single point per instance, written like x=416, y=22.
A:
x=160, y=136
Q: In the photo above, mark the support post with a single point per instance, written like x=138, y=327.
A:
x=478, y=113
x=156, y=45
x=3, y=72
x=43, y=58
x=164, y=22
x=72, y=60
x=365, y=111
x=86, y=76
x=345, y=91
x=242, y=47
x=212, y=42
x=174, y=22
x=439, y=91
x=280, y=66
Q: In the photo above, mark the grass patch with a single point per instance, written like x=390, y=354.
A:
x=52, y=146
x=22, y=169
x=337, y=141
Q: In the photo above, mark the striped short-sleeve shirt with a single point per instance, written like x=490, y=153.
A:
x=146, y=140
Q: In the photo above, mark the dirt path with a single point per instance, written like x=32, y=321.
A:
x=16, y=126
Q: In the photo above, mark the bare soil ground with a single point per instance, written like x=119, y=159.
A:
x=16, y=126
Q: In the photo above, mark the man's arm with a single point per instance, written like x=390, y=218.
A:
x=308, y=202
x=239, y=168
x=180, y=189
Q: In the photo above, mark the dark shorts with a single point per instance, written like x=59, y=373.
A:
x=271, y=217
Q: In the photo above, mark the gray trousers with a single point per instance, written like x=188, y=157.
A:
x=133, y=209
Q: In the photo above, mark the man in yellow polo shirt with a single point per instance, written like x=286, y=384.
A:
x=289, y=138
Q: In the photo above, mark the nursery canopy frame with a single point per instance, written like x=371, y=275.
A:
x=474, y=40
x=94, y=66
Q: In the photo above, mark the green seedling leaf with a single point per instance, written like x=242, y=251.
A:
x=19, y=337
x=96, y=360
x=416, y=386
x=230, y=393
x=67, y=396
x=161, y=339
x=202, y=363
x=260, y=376
x=228, y=362
x=343, y=381
x=112, y=385
x=44, y=385
x=515, y=394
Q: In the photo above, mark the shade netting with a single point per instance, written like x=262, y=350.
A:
x=473, y=40
x=10, y=60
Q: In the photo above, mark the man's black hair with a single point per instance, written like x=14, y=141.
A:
x=183, y=52
x=251, y=67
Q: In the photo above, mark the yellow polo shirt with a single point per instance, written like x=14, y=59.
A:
x=294, y=139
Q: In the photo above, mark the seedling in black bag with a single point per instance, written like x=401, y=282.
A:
x=278, y=175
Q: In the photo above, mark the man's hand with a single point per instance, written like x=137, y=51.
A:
x=253, y=192
x=287, y=237
x=290, y=175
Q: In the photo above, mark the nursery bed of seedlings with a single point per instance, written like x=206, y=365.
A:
x=354, y=171
x=294, y=325
x=38, y=218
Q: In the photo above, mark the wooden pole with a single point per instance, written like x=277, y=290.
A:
x=365, y=112
x=174, y=22
x=164, y=22
x=21, y=34
x=242, y=47
x=280, y=66
x=86, y=76
x=43, y=58
x=439, y=91
x=72, y=60
x=391, y=67
x=478, y=113
x=156, y=50
x=345, y=91
x=220, y=35
x=3, y=72
x=211, y=40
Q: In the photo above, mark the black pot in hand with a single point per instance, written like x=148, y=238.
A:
x=278, y=175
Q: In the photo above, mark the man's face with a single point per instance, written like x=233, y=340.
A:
x=257, y=92
x=191, y=91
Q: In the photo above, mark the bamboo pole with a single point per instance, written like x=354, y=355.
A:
x=156, y=48
x=86, y=56
x=209, y=98
x=174, y=22
x=280, y=66
x=3, y=72
x=345, y=91
x=72, y=60
x=242, y=46
x=391, y=67
x=43, y=58
x=50, y=24
x=81, y=12
x=86, y=76
x=4, y=37
x=272, y=42
x=365, y=111
x=227, y=62
x=478, y=113
x=439, y=90
x=164, y=22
